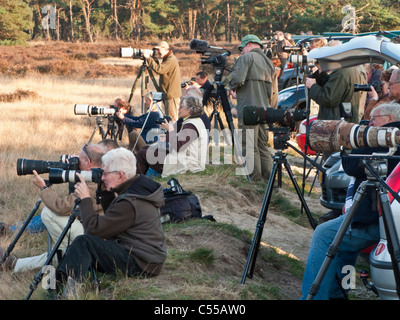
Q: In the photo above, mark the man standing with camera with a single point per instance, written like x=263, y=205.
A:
x=170, y=77
x=255, y=83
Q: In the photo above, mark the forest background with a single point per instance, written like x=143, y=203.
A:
x=211, y=20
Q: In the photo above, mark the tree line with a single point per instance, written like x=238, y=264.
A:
x=212, y=20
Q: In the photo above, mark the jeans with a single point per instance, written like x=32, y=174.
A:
x=34, y=226
x=355, y=240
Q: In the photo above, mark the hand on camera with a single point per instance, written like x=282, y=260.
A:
x=167, y=126
x=372, y=95
x=38, y=180
x=310, y=82
x=81, y=188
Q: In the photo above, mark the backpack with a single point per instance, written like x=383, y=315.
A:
x=180, y=205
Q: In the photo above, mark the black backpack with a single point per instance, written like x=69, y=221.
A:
x=180, y=205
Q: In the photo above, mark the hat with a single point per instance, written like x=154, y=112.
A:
x=162, y=44
x=250, y=38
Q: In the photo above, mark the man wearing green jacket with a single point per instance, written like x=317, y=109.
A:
x=170, y=77
x=338, y=92
x=255, y=83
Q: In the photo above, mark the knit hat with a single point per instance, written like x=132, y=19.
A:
x=250, y=38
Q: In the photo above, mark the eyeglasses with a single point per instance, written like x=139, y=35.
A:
x=374, y=117
x=106, y=173
x=391, y=83
x=86, y=152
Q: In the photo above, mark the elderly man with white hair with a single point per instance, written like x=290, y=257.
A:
x=128, y=238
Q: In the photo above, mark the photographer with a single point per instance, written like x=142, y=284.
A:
x=170, y=77
x=57, y=209
x=255, y=83
x=364, y=229
x=186, y=145
x=128, y=237
x=146, y=136
x=388, y=92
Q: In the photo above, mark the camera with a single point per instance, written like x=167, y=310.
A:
x=253, y=115
x=86, y=109
x=210, y=53
x=161, y=120
x=135, y=53
x=26, y=166
x=157, y=96
x=293, y=58
x=57, y=175
x=367, y=87
x=175, y=188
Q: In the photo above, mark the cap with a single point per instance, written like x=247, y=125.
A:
x=162, y=44
x=250, y=38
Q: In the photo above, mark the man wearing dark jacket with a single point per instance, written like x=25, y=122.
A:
x=128, y=238
x=364, y=229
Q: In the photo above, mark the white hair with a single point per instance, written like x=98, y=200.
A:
x=120, y=159
x=388, y=108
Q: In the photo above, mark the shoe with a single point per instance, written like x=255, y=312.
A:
x=4, y=229
x=9, y=263
x=333, y=214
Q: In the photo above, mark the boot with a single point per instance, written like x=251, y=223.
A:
x=9, y=263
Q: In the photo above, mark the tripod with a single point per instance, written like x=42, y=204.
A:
x=20, y=232
x=222, y=98
x=215, y=115
x=281, y=136
x=141, y=75
x=379, y=188
x=111, y=131
x=153, y=103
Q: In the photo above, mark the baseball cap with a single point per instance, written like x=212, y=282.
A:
x=162, y=44
x=250, y=38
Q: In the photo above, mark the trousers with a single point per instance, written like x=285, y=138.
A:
x=103, y=255
x=355, y=240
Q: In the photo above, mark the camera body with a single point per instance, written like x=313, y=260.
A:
x=175, y=188
x=161, y=120
x=367, y=87
x=135, y=53
x=158, y=96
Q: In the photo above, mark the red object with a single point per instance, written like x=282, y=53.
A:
x=301, y=136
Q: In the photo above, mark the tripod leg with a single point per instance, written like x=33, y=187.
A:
x=300, y=195
x=38, y=277
x=20, y=232
x=251, y=259
x=334, y=247
x=139, y=75
x=391, y=235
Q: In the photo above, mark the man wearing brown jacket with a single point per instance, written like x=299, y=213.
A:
x=170, y=77
x=128, y=238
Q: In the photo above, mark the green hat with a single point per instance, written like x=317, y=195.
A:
x=250, y=38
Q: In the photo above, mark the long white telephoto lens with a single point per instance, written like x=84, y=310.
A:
x=126, y=52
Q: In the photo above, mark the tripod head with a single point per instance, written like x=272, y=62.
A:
x=281, y=137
